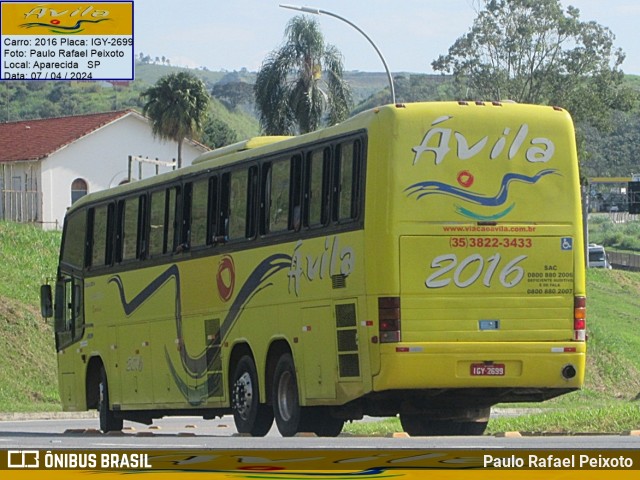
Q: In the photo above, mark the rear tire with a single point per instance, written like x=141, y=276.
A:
x=108, y=421
x=249, y=415
x=286, y=404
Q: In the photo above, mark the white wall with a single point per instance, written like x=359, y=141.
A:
x=101, y=159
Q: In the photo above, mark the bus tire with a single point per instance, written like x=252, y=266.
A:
x=249, y=415
x=108, y=421
x=286, y=404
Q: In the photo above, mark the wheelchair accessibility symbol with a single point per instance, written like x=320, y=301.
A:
x=566, y=244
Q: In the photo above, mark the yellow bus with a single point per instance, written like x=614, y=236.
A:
x=422, y=260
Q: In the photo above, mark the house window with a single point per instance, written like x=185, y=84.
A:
x=78, y=190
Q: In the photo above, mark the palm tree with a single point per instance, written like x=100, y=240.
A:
x=292, y=93
x=177, y=107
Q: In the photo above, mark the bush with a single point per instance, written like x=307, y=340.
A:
x=622, y=236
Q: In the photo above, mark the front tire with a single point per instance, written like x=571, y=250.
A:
x=249, y=415
x=108, y=421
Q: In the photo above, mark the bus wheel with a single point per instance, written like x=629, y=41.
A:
x=286, y=405
x=108, y=421
x=249, y=415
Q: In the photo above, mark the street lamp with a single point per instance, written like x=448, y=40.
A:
x=317, y=11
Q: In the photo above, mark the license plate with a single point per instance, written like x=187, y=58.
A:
x=490, y=370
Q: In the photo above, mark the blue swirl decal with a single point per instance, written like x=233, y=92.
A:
x=423, y=189
x=197, y=366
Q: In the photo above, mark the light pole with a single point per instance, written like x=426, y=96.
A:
x=317, y=11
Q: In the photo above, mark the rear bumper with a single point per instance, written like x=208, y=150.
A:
x=418, y=366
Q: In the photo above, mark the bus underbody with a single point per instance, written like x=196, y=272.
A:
x=442, y=411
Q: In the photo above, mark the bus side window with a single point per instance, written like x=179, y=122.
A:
x=78, y=308
x=129, y=220
x=280, y=196
x=195, y=214
x=69, y=317
x=172, y=231
x=317, y=191
x=213, y=214
x=242, y=201
x=238, y=204
x=276, y=199
x=157, y=223
x=143, y=237
x=345, y=181
x=265, y=198
x=296, y=189
x=199, y=213
x=73, y=248
x=252, y=202
x=223, y=212
x=163, y=222
x=101, y=233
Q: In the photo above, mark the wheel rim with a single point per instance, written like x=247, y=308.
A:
x=286, y=396
x=243, y=395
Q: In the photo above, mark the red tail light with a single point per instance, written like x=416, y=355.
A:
x=580, y=319
x=389, y=319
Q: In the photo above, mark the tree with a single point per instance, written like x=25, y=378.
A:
x=232, y=94
x=302, y=82
x=177, y=107
x=531, y=51
x=217, y=133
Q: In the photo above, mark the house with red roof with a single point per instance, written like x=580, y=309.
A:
x=47, y=164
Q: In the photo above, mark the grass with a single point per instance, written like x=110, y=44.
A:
x=28, y=379
x=613, y=418
x=610, y=399
x=29, y=257
x=609, y=402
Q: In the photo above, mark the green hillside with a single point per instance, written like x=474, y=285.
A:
x=603, y=153
x=28, y=362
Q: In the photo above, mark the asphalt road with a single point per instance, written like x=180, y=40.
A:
x=72, y=432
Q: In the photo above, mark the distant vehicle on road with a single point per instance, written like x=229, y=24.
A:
x=598, y=257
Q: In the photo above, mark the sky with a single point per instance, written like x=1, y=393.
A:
x=235, y=34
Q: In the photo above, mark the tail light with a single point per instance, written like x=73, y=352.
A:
x=580, y=319
x=389, y=319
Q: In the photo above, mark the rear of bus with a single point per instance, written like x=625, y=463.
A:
x=481, y=297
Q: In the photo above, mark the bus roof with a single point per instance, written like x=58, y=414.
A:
x=255, y=142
